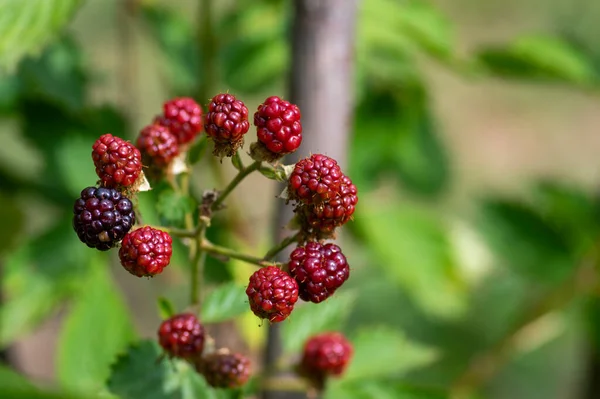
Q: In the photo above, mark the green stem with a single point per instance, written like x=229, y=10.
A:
x=281, y=246
x=181, y=233
x=217, y=250
x=197, y=270
x=233, y=184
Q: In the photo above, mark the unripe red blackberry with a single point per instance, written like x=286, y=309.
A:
x=327, y=354
x=226, y=123
x=318, y=269
x=158, y=145
x=182, y=336
x=183, y=117
x=278, y=129
x=322, y=219
x=222, y=369
x=315, y=179
x=118, y=162
x=272, y=293
x=146, y=251
x=102, y=217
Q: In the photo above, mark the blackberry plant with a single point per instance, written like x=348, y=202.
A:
x=105, y=214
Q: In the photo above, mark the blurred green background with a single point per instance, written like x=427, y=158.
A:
x=474, y=249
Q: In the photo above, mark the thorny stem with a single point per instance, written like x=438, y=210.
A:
x=233, y=184
x=219, y=251
x=281, y=246
x=485, y=365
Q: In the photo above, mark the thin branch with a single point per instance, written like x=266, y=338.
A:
x=233, y=184
x=219, y=251
x=281, y=246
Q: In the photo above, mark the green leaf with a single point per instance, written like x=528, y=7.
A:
x=255, y=53
x=175, y=37
x=541, y=58
x=311, y=318
x=198, y=150
x=525, y=242
x=72, y=154
x=172, y=207
x=571, y=211
x=15, y=386
x=380, y=389
x=269, y=173
x=165, y=308
x=428, y=28
x=413, y=249
x=236, y=161
x=57, y=75
x=37, y=276
x=224, y=303
x=401, y=131
x=144, y=372
x=382, y=352
x=12, y=218
x=98, y=319
x=26, y=26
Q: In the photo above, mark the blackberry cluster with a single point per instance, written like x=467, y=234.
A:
x=182, y=336
x=118, y=162
x=102, y=217
x=272, y=294
x=226, y=124
x=222, y=369
x=319, y=270
x=146, y=251
x=278, y=129
x=183, y=117
x=327, y=354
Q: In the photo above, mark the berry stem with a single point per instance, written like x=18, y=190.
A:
x=233, y=184
x=181, y=233
x=281, y=246
x=219, y=251
x=197, y=270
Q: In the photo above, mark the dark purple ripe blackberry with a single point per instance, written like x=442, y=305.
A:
x=102, y=217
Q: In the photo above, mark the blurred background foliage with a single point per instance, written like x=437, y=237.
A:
x=474, y=249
